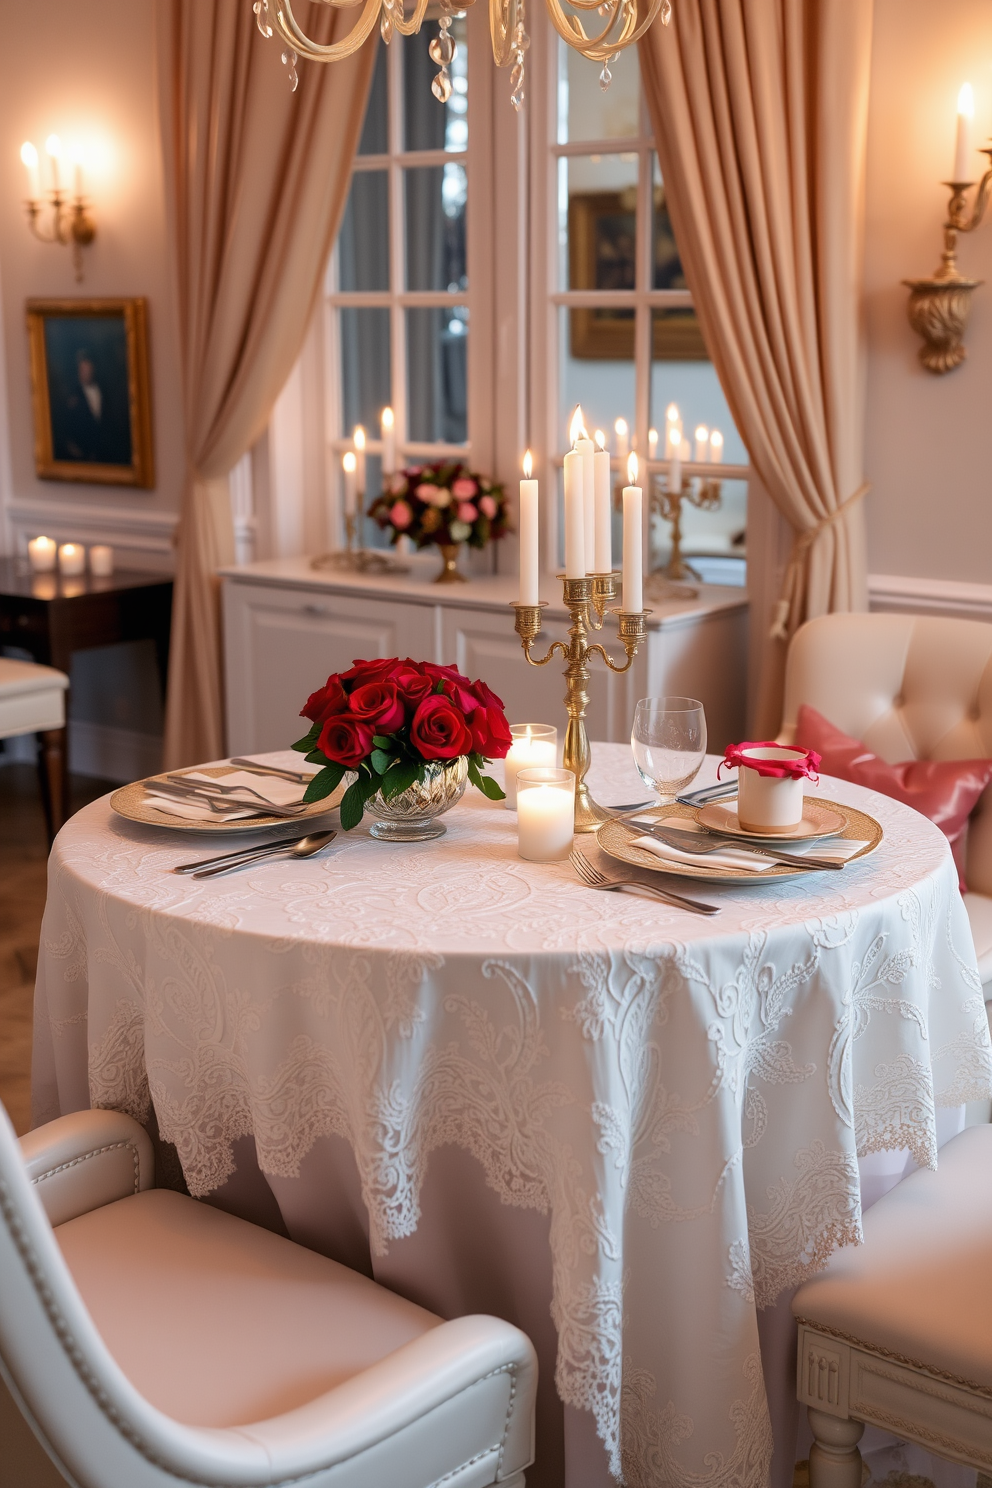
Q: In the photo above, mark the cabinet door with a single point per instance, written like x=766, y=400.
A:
x=281, y=644
x=483, y=644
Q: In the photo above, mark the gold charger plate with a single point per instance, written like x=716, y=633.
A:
x=819, y=821
x=615, y=838
x=130, y=802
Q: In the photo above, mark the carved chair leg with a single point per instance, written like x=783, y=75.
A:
x=53, y=776
x=834, y=1459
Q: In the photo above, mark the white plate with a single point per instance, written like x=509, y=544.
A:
x=819, y=820
x=130, y=801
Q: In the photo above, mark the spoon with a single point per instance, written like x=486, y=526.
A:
x=304, y=848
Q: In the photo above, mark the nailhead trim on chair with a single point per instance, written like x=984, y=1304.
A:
x=78, y=1361
x=97, y=1152
x=874, y=1348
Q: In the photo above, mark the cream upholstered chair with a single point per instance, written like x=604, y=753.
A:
x=912, y=687
x=152, y=1340
x=32, y=701
x=897, y=1332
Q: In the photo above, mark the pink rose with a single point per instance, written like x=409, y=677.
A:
x=488, y=507
x=398, y=484
x=467, y=512
x=438, y=496
x=400, y=515
x=464, y=488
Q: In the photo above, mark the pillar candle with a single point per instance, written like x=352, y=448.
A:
x=575, y=518
x=963, y=165
x=534, y=745
x=42, y=552
x=101, y=561
x=72, y=559
x=529, y=537
x=632, y=545
x=545, y=814
x=603, y=549
x=388, y=442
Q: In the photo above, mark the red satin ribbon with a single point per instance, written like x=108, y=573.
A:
x=803, y=765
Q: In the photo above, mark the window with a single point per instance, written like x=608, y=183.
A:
x=621, y=337
x=401, y=290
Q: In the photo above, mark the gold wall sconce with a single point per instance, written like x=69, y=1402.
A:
x=938, y=307
x=54, y=216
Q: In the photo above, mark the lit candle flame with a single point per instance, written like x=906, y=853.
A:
x=349, y=463
x=600, y=438
x=672, y=413
x=702, y=433
x=577, y=428
x=387, y=418
x=620, y=427
x=358, y=438
x=53, y=145
x=716, y=440
x=632, y=469
x=966, y=101
x=528, y=464
x=652, y=441
x=29, y=155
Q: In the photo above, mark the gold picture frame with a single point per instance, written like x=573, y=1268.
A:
x=91, y=391
x=601, y=251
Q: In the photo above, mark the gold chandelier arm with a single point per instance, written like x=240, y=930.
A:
x=413, y=25
x=599, y=48
x=502, y=20
x=289, y=29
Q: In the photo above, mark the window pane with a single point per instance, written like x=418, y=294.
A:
x=363, y=241
x=437, y=374
x=666, y=266
x=713, y=537
x=375, y=129
x=365, y=385
x=430, y=125
x=585, y=111
x=597, y=218
x=690, y=383
x=603, y=386
x=435, y=227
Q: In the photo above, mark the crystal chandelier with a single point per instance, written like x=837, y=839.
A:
x=622, y=22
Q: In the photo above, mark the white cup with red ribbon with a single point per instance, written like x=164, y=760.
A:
x=770, y=783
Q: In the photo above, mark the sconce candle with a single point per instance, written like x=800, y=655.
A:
x=29, y=156
x=53, y=149
x=72, y=560
x=534, y=746
x=42, y=552
x=963, y=163
x=529, y=536
x=101, y=561
x=545, y=814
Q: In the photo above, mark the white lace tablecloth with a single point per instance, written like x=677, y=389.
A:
x=683, y=1099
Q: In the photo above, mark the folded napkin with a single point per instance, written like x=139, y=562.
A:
x=191, y=810
x=837, y=849
x=243, y=784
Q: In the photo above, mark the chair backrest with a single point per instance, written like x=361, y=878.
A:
x=910, y=686
x=99, y=1430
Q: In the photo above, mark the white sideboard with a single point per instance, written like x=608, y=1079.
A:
x=288, y=626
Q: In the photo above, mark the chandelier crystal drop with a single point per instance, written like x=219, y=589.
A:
x=617, y=24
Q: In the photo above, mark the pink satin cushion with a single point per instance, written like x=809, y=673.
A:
x=946, y=791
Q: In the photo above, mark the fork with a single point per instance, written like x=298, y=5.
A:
x=298, y=777
x=594, y=879
x=684, y=842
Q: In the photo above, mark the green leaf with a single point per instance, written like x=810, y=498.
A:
x=381, y=761
x=321, y=785
x=381, y=741
x=352, y=805
x=308, y=740
x=474, y=773
x=400, y=778
x=318, y=757
x=491, y=789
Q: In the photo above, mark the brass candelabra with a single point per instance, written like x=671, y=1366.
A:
x=351, y=557
x=68, y=222
x=938, y=306
x=705, y=493
x=587, y=600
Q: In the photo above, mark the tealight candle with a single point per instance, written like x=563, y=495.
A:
x=545, y=814
x=42, y=553
x=534, y=744
x=101, y=561
x=72, y=560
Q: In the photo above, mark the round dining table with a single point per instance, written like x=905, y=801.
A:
x=628, y=1129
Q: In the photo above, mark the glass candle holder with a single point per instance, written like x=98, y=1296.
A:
x=545, y=814
x=534, y=746
x=41, y=554
x=72, y=559
x=101, y=561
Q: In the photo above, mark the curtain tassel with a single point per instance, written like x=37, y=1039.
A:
x=801, y=544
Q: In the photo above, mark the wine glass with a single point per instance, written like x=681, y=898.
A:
x=669, y=743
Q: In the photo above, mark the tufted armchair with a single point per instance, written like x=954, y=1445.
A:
x=153, y=1342
x=912, y=687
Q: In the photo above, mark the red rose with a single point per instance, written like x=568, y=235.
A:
x=370, y=671
x=412, y=684
x=490, y=732
x=345, y=739
x=378, y=703
x=486, y=696
x=438, y=730
x=445, y=674
x=326, y=701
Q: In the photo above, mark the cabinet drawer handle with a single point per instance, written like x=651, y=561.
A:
x=313, y=609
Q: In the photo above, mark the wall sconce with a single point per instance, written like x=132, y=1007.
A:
x=938, y=307
x=53, y=217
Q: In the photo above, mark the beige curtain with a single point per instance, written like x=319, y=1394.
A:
x=257, y=178
x=760, y=112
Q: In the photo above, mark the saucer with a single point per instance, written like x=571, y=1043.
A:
x=818, y=820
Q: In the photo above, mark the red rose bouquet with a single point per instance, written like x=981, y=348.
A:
x=443, y=503
x=388, y=720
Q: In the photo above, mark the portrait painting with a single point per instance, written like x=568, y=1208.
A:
x=90, y=391
x=602, y=255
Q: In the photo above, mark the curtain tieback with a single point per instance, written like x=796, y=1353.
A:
x=801, y=544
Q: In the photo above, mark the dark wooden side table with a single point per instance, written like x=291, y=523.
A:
x=50, y=617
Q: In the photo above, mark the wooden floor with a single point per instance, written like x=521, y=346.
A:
x=23, y=859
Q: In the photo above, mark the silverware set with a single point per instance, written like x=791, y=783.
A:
x=291, y=847
x=595, y=879
x=699, y=845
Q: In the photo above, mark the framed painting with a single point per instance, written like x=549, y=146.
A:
x=90, y=391
x=602, y=237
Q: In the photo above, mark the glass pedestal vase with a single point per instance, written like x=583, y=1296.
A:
x=412, y=815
